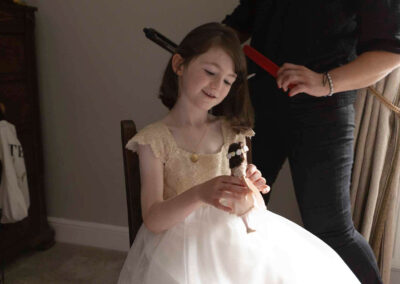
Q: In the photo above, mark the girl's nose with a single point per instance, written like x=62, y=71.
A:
x=216, y=83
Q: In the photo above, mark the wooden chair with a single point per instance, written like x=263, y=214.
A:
x=132, y=178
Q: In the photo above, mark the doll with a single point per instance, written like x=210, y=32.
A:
x=253, y=200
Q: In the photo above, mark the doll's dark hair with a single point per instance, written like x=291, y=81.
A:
x=236, y=160
x=236, y=107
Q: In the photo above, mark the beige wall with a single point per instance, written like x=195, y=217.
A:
x=96, y=68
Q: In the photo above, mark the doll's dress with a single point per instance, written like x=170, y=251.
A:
x=212, y=246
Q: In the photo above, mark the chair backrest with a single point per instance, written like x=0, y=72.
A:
x=132, y=180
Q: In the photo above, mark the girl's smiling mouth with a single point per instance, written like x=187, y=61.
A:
x=209, y=95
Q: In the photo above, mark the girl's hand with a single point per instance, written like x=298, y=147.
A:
x=255, y=176
x=302, y=80
x=229, y=187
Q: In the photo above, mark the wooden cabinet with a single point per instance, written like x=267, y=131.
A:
x=19, y=94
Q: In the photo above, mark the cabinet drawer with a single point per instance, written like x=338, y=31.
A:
x=12, y=53
x=11, y=21
x=14, y=96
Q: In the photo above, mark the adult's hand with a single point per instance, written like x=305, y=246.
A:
x=302, y=80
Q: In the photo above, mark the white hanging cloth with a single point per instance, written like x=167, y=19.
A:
x=14, y=194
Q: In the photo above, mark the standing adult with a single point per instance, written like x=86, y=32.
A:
x=326, y=50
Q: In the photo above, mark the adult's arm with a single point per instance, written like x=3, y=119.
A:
x=365, y=70
x=378, y=48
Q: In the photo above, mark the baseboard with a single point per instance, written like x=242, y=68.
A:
x=395, y=276
x=396, y=251
x=90, y=234
x=396, y=263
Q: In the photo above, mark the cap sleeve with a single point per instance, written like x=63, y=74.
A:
x=247, y=132
x=150, y=135
x=379, y=26
x=243, y=134
x=235, y=136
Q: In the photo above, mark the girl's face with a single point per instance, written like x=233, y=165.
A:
x=207, y=79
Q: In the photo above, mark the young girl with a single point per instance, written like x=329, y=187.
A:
x=188, y=236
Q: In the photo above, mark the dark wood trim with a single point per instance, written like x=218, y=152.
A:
x=19, y=94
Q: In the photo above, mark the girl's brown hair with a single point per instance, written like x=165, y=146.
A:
x=236, y=107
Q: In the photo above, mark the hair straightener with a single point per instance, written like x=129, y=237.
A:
x=250, y=52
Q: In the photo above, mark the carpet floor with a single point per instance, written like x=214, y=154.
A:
x=66, y=263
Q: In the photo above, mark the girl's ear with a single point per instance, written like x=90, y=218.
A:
x=177, y=64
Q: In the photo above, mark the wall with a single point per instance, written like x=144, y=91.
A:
x=96, y=68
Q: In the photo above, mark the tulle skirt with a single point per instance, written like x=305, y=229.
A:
x=212, y=246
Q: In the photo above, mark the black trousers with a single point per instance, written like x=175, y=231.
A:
x=316, y=135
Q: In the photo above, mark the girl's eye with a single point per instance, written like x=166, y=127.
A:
x=226, y=82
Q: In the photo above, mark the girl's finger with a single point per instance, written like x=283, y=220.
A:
x=265, y=189
x=243, y=190
x=260, y=182
x=232, y=180
x=218, y=205
x=250, y=170
x=255, y=176
x=231, y=195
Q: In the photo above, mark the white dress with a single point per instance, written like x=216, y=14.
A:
x=212, y=246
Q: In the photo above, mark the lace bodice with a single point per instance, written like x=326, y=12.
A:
x=180, y=173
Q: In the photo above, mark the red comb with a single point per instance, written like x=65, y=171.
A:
x=261, y=60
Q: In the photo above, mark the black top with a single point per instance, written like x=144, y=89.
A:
x=319, y=34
